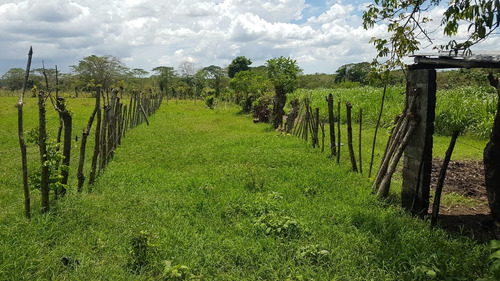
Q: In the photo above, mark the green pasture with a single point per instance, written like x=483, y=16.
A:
x=207, y=195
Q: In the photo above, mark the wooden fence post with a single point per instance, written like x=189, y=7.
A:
x=349, y=137
x=331, y=121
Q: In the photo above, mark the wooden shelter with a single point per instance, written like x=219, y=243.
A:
x=421, y=85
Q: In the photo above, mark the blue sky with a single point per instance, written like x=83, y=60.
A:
x=320, y=35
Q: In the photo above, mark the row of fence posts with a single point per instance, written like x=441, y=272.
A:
x=111, y=127
x=304, y=122
x=112, y=119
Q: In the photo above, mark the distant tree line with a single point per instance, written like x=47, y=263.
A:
x=257, y=90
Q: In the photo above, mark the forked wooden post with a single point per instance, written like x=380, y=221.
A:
x=418, y=154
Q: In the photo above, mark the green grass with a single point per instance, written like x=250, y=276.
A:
x=227, y=199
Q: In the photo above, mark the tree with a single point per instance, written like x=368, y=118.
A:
x=238, y=64
x=407, y=26
x=215, y=76
x=249, y=86
x=14, y=78
x=282, y=72
x=103, y=71
x=354, y=72
x=199, y=82
x=165, y=77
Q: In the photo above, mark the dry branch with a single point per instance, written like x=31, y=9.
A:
x=376, y=130
x=442, y=175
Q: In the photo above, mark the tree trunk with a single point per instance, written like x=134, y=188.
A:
x=491, y=160
x=279, y=104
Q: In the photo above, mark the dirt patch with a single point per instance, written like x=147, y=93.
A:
x=467, y=179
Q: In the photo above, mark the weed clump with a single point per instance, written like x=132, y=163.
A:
x=139, y=253
x=272, y=224
x=312, y=254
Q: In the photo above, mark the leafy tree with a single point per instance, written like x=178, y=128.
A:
x=200, y=82
x=103, y=71
x=187, y=70
x=165, y=76
x=407, y=25
x=14, y=78
x=282, y=72
x=238, y=64
x=215, y=75
x=248, y=87
x=354, y=72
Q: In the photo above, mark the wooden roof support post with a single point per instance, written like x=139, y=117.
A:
x=418, y=154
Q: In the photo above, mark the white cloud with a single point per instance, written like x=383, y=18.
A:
x=147, y=33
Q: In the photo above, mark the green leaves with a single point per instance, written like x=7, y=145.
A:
x=283, y=73
x=407, y=28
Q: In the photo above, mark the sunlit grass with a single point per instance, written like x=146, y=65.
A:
x=218, y=198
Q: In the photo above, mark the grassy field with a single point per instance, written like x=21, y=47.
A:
x=207, y=195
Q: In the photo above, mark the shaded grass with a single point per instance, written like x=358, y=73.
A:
x=205, y=186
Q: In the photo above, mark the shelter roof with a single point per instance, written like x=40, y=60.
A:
x=453, y=60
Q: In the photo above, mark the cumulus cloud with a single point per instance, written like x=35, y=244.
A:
x=146, y=33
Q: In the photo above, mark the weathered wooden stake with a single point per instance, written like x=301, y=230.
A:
x=338, y=132
x=97, y=143
x=83, y=146
x=360, y=134
x=331, y=121
x=68, y=126
x=349, y=137
x=22, y=143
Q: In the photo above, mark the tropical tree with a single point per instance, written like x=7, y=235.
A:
x=103, y=71
x=200, y=81
x=14, y=78
x=354, y=72
x=165, y=76
x=248, y=87
x=282, y=72
x=215, y=76
x=238, y=64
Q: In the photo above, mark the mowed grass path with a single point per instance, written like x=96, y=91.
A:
x=229, y=200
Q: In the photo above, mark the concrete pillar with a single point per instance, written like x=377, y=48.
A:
x=418, y=153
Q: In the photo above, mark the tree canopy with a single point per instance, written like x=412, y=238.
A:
x=354, y=72
x=238, y=64
x=14, y=78
x=282, y=73
x=103, y=71
x=407, y=27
